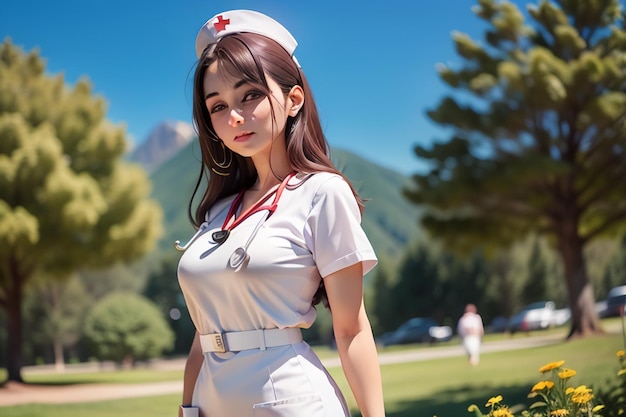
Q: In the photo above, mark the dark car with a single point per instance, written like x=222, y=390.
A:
x=615, y=301
x=498, y=325
x=417, y=330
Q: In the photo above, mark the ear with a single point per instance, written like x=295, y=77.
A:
x=296, y=100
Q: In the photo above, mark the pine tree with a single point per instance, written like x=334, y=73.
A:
x=539, y=136
x=67, y=200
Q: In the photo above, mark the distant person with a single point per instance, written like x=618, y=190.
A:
x=278, y=231
x=470, y=328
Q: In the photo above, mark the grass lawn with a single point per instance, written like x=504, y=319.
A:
x=440, y=387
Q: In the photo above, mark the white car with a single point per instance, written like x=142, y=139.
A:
x=535, y=316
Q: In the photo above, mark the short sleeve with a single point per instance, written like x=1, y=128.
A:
x=333, y=229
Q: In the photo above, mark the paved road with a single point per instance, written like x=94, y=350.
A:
x=15, y=394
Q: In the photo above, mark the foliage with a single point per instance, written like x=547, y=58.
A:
x=163, y=290
x=123, y=326
x=54, y=313
x=431, y=281
x=535, y=287
x=67, y=199
x=380, y=299
x=616, y=269
x=613, y=397
x=555, y=397
x=538, y=138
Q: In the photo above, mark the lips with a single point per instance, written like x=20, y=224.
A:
x=244, y=136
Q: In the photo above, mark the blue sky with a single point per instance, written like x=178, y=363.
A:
x=371, y=64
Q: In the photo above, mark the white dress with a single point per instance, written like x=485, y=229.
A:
x=470, y=328
x=314, y=232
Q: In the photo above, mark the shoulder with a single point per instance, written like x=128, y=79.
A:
x=323, y=184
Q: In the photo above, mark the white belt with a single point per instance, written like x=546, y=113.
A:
x=249, y=339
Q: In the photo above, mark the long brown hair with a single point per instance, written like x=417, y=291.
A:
x=250, y=57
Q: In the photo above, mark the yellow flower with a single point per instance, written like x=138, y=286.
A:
x=541, y=385
x=580, y=395
x=550, y=366
x=493, y=401
x=561, y=412
x=620, y=353
x=597, y=408
x=621, y=372
x=502, y=412
x=567, y=373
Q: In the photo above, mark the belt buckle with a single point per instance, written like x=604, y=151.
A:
x=218, y=342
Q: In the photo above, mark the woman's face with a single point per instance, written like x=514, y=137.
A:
x=241, y=113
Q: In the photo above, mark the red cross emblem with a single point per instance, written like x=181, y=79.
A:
x=221, y=23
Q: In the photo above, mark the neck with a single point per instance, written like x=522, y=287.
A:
x=265, y=183
x=268, y=177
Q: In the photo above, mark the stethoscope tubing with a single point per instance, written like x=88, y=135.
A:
x=255, y=209
x=240, y=255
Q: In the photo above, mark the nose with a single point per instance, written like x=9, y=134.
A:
x=235, y=117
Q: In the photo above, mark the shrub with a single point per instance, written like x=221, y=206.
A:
x=125, y=326
x=613, y=397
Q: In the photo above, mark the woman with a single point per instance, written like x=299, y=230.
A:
x=278, y=232
x=470, y=328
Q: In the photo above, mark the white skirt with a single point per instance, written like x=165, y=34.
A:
x=283, y=381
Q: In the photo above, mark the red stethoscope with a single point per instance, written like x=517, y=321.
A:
x=240, y=255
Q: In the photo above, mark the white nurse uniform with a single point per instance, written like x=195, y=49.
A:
x=314, y=232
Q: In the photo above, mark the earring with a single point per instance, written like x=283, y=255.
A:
x=226, y=162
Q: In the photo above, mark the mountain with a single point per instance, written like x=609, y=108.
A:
x=165, y=141
x=389, y=220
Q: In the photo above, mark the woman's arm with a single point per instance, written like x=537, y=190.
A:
x=355, y=341
x=192, y=369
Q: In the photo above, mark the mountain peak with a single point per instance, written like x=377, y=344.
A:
x=163, y=142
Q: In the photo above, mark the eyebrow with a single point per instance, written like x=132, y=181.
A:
x=237, y=85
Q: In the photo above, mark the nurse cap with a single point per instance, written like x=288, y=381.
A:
x=237, y=21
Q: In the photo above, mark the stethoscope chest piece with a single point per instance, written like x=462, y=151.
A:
x=220, y=236
x=238, y=257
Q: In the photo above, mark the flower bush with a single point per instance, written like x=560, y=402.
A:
x=613, y=397
x=553, y=397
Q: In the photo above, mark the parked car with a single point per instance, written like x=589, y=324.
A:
x=615, y=301
x=535, y=316
x=602, y=308
x=499, y=324
x=561, y=316
x=417, y=330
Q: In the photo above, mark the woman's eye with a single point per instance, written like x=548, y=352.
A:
x=253, y=95
x=217, y=108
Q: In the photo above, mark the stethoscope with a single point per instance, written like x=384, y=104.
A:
x=240, y=255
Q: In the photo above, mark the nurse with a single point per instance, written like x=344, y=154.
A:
x=278, y=231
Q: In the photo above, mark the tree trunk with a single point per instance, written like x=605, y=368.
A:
x=59, y=358
x=14, y=330
x=584, y=321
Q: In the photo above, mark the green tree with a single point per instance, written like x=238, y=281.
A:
x=615, y=271
x=163, y=290
x=54, y=312
x=535, y=288
x=67, y=200
x=125, y=326
x=417, y=288
x=380, y=303
x=538, y=136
